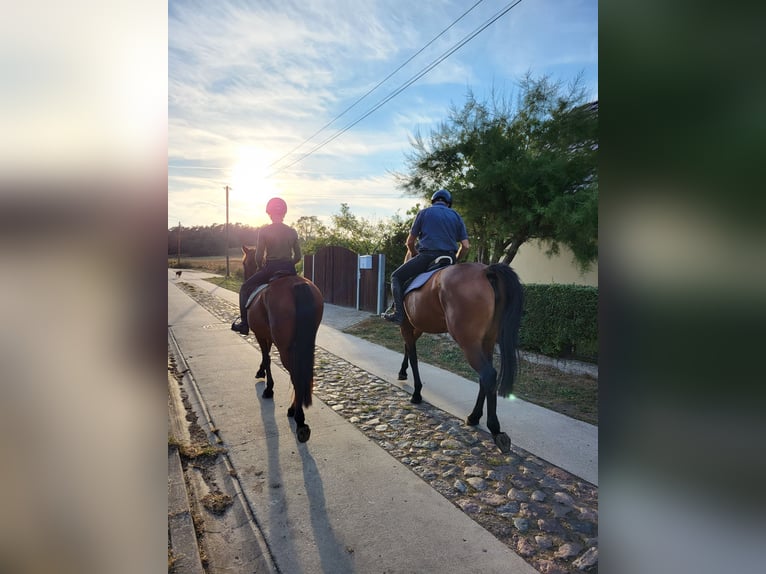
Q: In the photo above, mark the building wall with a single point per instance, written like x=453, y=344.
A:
x=534, y=266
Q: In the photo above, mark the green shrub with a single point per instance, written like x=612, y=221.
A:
x=561, y=321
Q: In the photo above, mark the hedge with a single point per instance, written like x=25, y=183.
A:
x=561, y=321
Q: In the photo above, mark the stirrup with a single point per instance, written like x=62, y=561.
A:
x=393, y=316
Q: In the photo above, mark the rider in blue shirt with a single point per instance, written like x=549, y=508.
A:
x=437, y=230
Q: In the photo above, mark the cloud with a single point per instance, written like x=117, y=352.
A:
x=267, y=76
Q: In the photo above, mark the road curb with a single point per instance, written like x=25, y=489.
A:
x=182, y=537
x=239, y=521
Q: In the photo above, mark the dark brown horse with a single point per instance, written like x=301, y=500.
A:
x=287, y=313
x=479, y=306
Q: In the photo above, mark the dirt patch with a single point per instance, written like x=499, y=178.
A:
x=197, y=456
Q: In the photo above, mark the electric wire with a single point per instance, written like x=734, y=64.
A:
x=340, y=115
x=401, y=88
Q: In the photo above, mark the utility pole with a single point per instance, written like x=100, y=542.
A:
x=227, y=231
x=178, y=261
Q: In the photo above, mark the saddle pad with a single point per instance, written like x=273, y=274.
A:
x=420, y=280
x=254, y=294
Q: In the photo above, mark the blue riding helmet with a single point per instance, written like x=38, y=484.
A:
x=444, y=195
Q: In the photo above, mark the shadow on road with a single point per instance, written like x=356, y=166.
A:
x=278, y=517
x=333, y=555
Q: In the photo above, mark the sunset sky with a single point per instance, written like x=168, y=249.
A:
x=254, y=87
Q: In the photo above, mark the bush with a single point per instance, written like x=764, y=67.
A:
x=561, y=321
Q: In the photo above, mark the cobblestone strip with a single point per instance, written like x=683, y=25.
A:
x=545, y=514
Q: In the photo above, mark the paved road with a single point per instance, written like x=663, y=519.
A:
x=340, y=503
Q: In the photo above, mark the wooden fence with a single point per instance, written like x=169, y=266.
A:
x=347, y=279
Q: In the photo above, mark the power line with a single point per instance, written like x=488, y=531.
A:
x=403, y=87
x=440, y=34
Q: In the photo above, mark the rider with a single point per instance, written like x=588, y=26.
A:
x=438, y=230
x=278, y=248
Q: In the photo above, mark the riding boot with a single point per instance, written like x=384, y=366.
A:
x=240, y=326
x=397, y=315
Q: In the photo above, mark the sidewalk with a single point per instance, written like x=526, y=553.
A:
x=563, y=441
x=338, y=503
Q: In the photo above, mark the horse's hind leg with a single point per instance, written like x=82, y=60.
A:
x=265, y=369
x=502, y=440
x=488, y=390
x=487, y=375
x=478, y=410
x=488, y=387
x=302, y=430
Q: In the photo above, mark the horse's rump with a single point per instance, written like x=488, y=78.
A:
x=274, y=308
x=457, y=298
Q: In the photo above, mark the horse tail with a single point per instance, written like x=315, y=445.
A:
x=304, y=340
x=509, y=297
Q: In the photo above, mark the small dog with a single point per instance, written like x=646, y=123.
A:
x=178, y=274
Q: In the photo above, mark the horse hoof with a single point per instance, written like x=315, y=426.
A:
x=291, y=412
x=472, y=422
x=401, y=377
x=503, y=442
x=416, y=400
x=260, y=374
x=268, y=394
x=303, y=433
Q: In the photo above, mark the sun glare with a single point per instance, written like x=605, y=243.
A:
x=250, y=188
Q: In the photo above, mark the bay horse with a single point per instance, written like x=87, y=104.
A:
x=479, y=306
x=286, y=313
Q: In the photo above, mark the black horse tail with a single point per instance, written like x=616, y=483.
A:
x=304, y=341
x=509, y=296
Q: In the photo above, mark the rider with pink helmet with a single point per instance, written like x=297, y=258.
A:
x=277, y=250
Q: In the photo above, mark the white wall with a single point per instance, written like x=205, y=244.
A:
x=533, y=266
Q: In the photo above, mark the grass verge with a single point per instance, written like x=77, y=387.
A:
x=231, y=283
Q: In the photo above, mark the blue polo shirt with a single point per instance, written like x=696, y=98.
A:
x=438, y=228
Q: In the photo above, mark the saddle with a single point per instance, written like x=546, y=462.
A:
x=274, y=277
x=419, y=280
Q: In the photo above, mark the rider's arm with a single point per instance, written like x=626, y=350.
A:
x=463, y=250
x=410, y=243
x=296, y=248
x=260, y=249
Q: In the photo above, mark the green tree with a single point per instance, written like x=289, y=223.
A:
x=356, y=233
x=393, y=244
x=198, y=241
x=311, y=231
x=517, y=173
